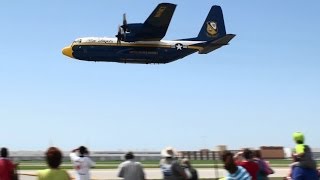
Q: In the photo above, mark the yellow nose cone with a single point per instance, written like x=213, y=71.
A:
x=67, y=51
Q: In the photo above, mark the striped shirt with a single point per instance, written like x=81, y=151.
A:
x=240, y=174
x=131, y=170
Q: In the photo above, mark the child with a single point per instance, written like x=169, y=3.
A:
x=302, y=155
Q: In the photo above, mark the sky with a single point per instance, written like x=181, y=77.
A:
x=256, y=91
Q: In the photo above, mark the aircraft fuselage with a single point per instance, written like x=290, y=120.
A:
x=142, y=52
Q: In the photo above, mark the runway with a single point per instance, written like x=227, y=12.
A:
x=152, y=173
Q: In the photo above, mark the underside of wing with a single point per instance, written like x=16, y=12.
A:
x=156, y=26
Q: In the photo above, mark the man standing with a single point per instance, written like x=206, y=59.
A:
x=130, y=169
x=81, y=163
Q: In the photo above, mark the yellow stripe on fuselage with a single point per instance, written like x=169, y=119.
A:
x=199, y=48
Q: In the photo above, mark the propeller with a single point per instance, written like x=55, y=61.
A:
x=122, y=30
x=120, y=35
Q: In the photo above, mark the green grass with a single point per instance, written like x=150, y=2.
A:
x=34, y=165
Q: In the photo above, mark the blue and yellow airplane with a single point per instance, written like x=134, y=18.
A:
x=142, y=42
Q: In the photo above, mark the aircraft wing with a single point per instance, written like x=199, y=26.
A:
x=156, y=26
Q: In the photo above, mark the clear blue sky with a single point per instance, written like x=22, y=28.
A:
x=257, y=91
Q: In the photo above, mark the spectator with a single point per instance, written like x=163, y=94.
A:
x=170, y=166
x=304, y=166
x=130, y=169
x=264, y=168
x=189, y=170
x=54, y=159
x=234, y=172
x=7, y=167
x=248, y=163
x=238, y=157
x=302, y=153
x=81, y=163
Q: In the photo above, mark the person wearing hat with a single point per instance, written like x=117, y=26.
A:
x=302, y=153
x=170, y=166
x=304, y=166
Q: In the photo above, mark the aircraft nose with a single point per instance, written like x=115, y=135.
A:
x=67, y=51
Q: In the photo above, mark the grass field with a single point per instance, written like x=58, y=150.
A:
x=34, y=165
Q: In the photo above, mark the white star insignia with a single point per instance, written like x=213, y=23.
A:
x=179, y=46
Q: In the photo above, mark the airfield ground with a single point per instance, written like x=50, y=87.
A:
x=151, y=173
x=108, y=169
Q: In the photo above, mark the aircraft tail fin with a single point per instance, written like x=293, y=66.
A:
x=213, y=28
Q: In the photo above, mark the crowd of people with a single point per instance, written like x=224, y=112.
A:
x=248, y=165
x=244, y=165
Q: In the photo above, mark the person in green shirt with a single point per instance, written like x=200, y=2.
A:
x=302, y=153
x=54, y=159
x=302, y=156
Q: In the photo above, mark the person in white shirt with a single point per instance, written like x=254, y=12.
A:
x=130, y=169
x=81, y=163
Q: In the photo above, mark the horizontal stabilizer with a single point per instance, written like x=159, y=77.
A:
x=213, y=45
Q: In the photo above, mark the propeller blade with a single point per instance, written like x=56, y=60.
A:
x=124, y=23
x=119, y=35
x=125, y=19
x=119, y=30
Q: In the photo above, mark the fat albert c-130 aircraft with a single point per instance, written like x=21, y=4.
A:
x=142, y=42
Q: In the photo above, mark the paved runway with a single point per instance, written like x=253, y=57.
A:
x=153, y=173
